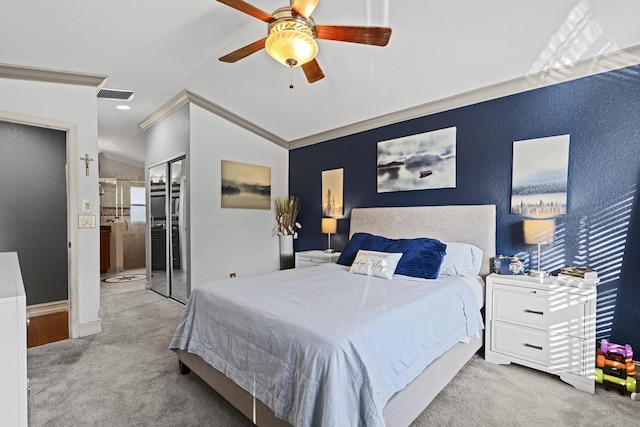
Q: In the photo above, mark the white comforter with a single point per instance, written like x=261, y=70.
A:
x=321, y=346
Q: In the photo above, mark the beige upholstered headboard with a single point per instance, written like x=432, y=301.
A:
x=475, y=224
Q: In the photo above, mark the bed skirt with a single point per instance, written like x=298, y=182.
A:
x=401, y=410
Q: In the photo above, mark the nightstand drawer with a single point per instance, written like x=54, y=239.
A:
x=315, y=257
x=556, y=352
x=307, y=262
x=557, y=313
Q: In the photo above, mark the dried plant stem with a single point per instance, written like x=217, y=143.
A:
x=287, y=209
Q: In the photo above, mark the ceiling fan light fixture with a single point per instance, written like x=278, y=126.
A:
x=291, y=40
x=292, y=34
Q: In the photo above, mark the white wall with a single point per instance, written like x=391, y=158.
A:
x=167, y=138
x=111, y=167
x=227, y=241
x=73, y=107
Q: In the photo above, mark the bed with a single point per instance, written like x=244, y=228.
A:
x=283, y=364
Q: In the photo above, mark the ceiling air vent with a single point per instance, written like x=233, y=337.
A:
x=116, y=94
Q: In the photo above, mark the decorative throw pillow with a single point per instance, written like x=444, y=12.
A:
x=461, y=259
x=421, y=256
x=378, y=264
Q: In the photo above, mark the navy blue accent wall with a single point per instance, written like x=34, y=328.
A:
x=601, y=113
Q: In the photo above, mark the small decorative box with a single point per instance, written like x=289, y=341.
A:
x=508, y=265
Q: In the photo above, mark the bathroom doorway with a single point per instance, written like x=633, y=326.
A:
x=122, y=224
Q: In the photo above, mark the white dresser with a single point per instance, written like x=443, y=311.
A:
x=546, y=324
x=13, y=336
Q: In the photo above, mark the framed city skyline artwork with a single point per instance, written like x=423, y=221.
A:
x=539, y=176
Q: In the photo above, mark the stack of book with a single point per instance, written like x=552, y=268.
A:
x=578, y=272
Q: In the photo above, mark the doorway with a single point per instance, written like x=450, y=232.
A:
x=168, y=229
x=34, y=223
x=122, y=223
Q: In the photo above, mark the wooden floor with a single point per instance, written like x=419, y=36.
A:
x=48, y=328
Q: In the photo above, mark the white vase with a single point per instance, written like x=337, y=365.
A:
x=287, y=259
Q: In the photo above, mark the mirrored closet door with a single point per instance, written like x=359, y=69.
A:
x=159, y=279
x=178, y=284
x=169, y=229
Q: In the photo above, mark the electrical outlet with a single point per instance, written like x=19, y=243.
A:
x=232, y=275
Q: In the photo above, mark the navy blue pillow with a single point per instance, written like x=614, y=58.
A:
x=421, y=257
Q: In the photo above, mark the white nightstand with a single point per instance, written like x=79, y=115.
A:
x=311, y=258
x=545, y=324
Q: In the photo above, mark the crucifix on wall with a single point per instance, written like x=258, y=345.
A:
x=86, y=162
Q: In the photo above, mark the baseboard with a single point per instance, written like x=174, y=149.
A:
x=91, y=328
x=47, y=308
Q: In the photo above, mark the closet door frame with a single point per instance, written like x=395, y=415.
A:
x=178, y=225
x=166, y=290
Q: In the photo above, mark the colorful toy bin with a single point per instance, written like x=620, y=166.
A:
x=511, y=265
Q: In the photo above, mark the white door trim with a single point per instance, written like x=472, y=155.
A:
x=72, y=204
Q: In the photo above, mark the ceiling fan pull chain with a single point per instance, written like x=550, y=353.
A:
x=290, y=77
x=291, y=63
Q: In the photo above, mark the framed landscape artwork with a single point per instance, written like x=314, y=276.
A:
x=418, y=162
x=539, y=176
x=245, y=186
x=332, y=199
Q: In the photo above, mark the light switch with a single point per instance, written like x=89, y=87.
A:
x=86, y=205
x=87, y=221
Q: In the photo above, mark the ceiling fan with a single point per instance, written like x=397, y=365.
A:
x=292, y=33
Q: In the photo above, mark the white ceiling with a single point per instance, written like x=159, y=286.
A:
x=438, y=49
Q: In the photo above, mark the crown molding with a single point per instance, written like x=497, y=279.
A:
x=165, y=110
x=236, y=119
x=189, y=97
x=19, y=72
x=588, y=67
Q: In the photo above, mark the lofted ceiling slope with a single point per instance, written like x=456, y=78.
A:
x=438, y=49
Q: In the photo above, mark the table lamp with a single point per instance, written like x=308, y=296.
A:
x=538, y=232
x=329, y=226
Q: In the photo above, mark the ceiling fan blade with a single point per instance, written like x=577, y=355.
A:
x=243, y=52
x=248, y=9
x=377, y=36
x=305, y=7
x=313, y=71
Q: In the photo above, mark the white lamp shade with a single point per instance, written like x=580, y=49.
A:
x=538, y=231
x=329, y=225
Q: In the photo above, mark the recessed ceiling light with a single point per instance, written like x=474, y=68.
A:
x=123, y=107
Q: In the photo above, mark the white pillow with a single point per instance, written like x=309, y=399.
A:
x=378, y=264
x=461, y=259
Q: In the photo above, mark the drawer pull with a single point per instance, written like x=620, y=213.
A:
x=537, y=347
x=541, y=313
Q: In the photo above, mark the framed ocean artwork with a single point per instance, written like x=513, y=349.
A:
x=418, y=162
